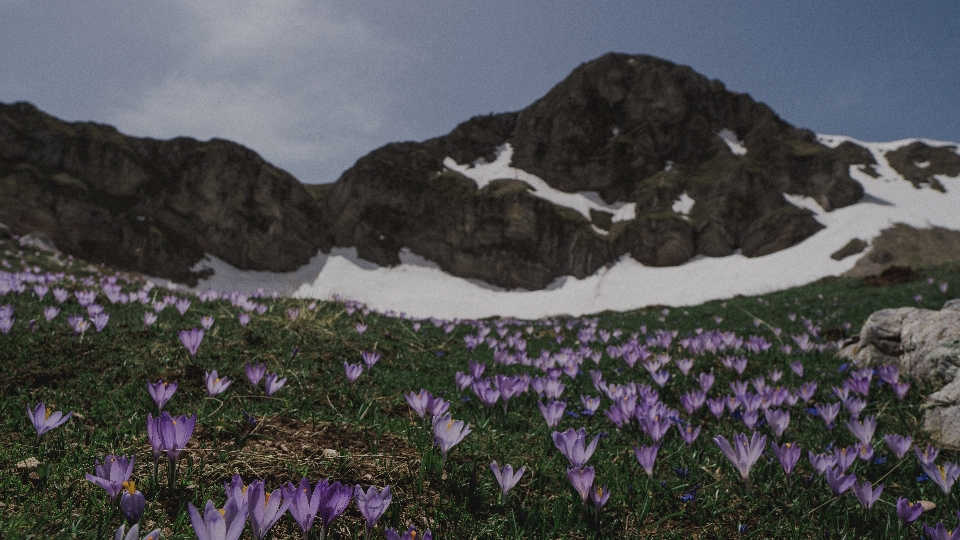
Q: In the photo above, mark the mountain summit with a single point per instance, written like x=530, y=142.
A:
x=620, y=130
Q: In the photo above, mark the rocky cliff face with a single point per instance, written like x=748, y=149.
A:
x=629, y=128
x=148, y=205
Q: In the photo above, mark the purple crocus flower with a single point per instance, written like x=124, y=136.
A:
x=447, y=433
x=132, y=503
x=807, y=390
x=866, y=494
x=778, y=419
x=706, y=381
x=487, y=394
x=206, y=322
x=927, y=456
x=161, y=392
x=908, y=513
x=943, y=475
x=370, y=358
x=863, y=430
x=742, y=454
x=462, y=380
x=590, y=404
x=506, y=477
x=334, y=499
x=372, y=504
x=149, y=318
x=828, y=411
x=940, y=532
x=437, y=406
x=134, y=533
x=797, y=368
x=353, y=371
x=787, y=455
x=419, y=402
x=43, y=419
x=845, y=455
x=175, y=433
x=361, y=328
x=693, y=400
x=265, y=508
x=572, y=444
x=6, y=324
x=273, y=384
x=216, y=385
x=411, y=534
x=898, y=444
x=839, y=483
x=854, y=406
x=599, y=496
x=900, y=389
x=582, y=480
x=255, y=372
x=191, y=339
x=182, y=305
x=689, y=433
x=215, y=524
x=647, y=456
x=717, y=406
x=111, y=473
x=100, y=321
x=553, y=411
x=243, y=319
x=51, y=312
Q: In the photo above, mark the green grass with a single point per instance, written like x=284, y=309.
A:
x=379, y=440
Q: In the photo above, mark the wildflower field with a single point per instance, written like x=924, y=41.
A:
x=131, y=410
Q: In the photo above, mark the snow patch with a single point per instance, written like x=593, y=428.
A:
x=736, y=146
x=483, y=173
x=683, y=204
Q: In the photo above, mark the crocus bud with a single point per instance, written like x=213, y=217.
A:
x=131, y=503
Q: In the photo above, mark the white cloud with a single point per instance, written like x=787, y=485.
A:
x=300, y=82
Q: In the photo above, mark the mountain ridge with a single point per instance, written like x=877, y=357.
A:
x=705, y=172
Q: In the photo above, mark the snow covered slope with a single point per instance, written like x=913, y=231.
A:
x=420, y=289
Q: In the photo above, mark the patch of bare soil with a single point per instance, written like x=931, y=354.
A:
x=906, y=246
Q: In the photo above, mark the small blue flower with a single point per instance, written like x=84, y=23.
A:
x=572, y=414
x=687, y=497
x=439, y=354
x=587, y=412
x=843, y=367
x=465, y=399
x=681, y=472
x=812, y=411
x=922, y=478
x=879, y=460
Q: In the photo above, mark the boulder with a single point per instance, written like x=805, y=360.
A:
x=925, y=344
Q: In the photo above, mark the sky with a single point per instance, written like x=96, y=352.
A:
x=314, y=85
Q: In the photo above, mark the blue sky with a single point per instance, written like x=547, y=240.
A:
x=314, y=85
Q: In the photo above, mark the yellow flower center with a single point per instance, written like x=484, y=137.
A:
x=47, y=417
x=131, y=486
x=449, y=425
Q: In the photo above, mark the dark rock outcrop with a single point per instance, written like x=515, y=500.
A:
x=630, y=128
x=148, y=205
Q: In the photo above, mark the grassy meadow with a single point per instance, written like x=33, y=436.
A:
x=320, y=426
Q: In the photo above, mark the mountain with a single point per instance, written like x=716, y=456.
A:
x=625, y=130
x=151, y=206
x=631, y=169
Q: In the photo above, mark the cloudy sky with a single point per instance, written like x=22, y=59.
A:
x=313, y=85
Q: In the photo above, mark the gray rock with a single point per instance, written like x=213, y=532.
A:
x=925, y=344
